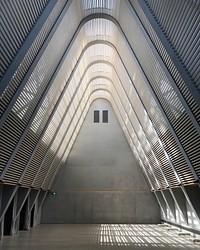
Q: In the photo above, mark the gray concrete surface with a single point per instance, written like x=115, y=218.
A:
x=101, y=181
x=102, y=237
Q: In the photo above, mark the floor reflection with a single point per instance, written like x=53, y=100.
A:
x=144, y=236
x=99, y=237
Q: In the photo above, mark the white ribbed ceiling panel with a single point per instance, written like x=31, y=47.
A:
x=110, y=7
x=100, y=29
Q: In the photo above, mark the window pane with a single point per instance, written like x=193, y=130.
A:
x=96, y=116
x=105, y=116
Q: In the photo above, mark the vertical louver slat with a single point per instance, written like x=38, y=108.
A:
x=33, y=166
x=15, y=20
x=155, y=143
x=162, y=86
x=10, y=137
x=62, y=139
x=110, y=7
x=168, y=141
x=63, y=142
x=65, y=147
x=136, y=146
x=30, y=56
x=20, y=160
x=182, y=34
x=51, y=174
x=34, y=89
x=39, y=179
x=154, y=168
x=55, y=140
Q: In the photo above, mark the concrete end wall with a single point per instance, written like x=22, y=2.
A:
x=101, y=207
x=101, y=181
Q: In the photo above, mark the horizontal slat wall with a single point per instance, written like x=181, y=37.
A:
x=168, y=142
x=82, y=106
x=51, y=135
x=31, y=94
x=173, y=111
x=136, y=147
x=133, y=124
x=64, y=150
x=37, y=141
x=163, y=88
x=181, y=31
x=63, y=136
x=122, y=106
x=42, y=152
x=190, y=139
x=69, y=140
x=132, y=132
x=52, y=158
x=31, y=54
x=17, y=19
x=29, y=162
x=152, y=139
x=77, y=116
x=35, y=163
x=155, y=155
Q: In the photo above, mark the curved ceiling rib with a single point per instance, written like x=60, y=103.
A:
x=108, y=22
x=97, y=56
x=85, y=50
x=98, y=50
x=99, y=23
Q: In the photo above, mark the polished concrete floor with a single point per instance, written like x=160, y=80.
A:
x=101, y=236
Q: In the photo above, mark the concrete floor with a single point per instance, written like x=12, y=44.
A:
x=101, y=236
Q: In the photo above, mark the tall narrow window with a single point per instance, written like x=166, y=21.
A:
x=96, y=116
x=105, y=116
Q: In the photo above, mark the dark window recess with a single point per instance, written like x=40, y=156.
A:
x=105, y=116
x=96, y=116
x=8, y=219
